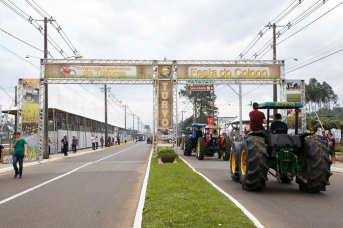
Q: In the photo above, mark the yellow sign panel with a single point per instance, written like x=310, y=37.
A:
x=98, y=71
x=228, y=72
x=165, y=104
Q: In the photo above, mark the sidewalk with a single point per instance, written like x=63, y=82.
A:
x=53, y=157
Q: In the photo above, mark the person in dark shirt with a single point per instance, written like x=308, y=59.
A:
x=257, y=118
x=324, y=138
x=278, y=124
x=331, y=143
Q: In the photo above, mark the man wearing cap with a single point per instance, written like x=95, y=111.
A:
x=257, y=118
x=20, y=151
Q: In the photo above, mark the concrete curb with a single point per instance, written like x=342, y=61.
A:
x=140, y=207
x=335, y=169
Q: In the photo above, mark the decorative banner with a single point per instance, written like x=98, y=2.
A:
x=210, y=123
x=30, y=114
x=100, y=71
x=293, y=94
x=228, y=71
x=200, y=87
x=164, y=72
x=165, y=104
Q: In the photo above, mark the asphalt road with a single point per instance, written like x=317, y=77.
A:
x=279, y=205
x=99, y=189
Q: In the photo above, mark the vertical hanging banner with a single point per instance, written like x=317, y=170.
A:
x=30, y=112
x=210, y=123
x=165, y=104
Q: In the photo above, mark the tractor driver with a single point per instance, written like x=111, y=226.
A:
x=257, y=118
x=278, y=123
x=198, y=133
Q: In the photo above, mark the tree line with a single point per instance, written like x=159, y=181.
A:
x=320, y=98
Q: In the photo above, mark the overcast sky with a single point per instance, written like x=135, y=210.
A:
x=177, y=30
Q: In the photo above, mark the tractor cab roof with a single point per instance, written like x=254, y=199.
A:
x=212, y=127
x=280, y=105
x=198, y=125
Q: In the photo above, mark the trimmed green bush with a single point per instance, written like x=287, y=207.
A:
x=167, y=152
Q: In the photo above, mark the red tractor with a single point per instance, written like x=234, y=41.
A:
x=213, y=143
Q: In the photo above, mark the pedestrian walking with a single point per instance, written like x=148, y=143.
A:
x=74, y=144
x=118, y=139
x=96, y=142
x=2, y=153
x=102, y=141
x=109, y=140
x=93, y=142
x=64, y=142
x=20, y=151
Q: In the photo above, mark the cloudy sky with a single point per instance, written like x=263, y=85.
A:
x=176, y=30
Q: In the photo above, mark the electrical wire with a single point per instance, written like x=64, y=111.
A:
x=264, y=50
x=91, y=93
x=278, y=18
x=28, y=18
x=21, y=40
x=20, y=57
x=310, y=23
x=314, y=61
x=56, y=26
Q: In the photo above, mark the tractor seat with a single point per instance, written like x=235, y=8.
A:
x=280, y=131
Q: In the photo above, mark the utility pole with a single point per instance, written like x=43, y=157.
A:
x=274, y=58
x=213, y=106
x=46, y=114
x=106, y=124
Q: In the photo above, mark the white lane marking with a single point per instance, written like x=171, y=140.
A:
x=139, y=212
x=56, y=178
x=240, y=206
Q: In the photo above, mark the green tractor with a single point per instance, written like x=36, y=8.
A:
x=290, y=155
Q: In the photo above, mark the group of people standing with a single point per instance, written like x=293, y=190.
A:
x=330, y=142
x=113, y=140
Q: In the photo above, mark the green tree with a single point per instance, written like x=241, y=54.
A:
x=203, y=102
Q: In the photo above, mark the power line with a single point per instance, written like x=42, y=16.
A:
x=56, y=26
x=309, y=23
x=264, y=50
x=282, y=15
x=315, y=61
x=20, y=57
x=28, y=18
x=21, y=40
x=91, y=92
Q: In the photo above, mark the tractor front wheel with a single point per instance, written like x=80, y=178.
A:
x=226, y=149
x=187, y=146
x=317, y=170
x=200, y=150
x=253, y=164
x=234, y=161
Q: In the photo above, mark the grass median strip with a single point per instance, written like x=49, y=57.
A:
x=178, y=197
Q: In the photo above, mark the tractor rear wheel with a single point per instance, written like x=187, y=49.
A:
x=226, y=149
x=187, y=146
x=200, y=150
x=253, y=165
x=317, y=172
x=234, y=161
